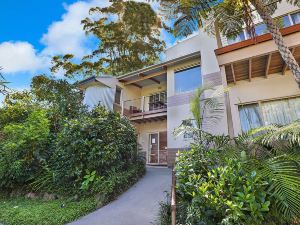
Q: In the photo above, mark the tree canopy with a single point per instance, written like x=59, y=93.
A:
x=129, y=39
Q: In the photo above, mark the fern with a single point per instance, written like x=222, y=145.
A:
x=279, y=162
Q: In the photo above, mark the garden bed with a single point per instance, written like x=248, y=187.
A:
x=21, y=210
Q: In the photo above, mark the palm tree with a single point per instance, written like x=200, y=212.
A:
x=230, y=16
x=273, y=151
x=3, y=83
x=207, y=110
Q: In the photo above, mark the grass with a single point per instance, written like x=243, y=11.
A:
x=15, y=211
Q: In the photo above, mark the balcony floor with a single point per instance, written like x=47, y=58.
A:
x=149, y=116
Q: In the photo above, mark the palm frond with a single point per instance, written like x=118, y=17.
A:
x=284, y=183
x=270, y=135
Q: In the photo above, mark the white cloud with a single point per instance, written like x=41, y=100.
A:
x=19, y=57
x=62, y=37
x=67, y=35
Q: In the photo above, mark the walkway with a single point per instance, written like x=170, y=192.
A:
x=138, y=206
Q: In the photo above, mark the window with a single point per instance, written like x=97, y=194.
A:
x=286, y=21
x=240, y=37
x=250, y=117
x=296, y=17
x=118, y=95
x=158, y=101
x=261, y=29
x=188, y=79
x=280, y=112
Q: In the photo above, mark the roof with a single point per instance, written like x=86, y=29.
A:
x=160, y=67
x=96, y=80
x=156, y=70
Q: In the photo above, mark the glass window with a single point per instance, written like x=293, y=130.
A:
x=118, y=95
x=240, y=37
x=261, y=29
x=296, y=17
x=281, y=112
x=286, y=21
x=188, y=79
x=158, y=101
x=250, y=117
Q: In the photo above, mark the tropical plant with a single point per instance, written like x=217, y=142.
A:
x=274, y=152
x=129, y=39
x=3, y=84
x=207, y=109
x=229, y=17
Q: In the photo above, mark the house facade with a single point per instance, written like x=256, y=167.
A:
x=156, y=99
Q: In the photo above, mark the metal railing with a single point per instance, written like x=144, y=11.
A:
x=144, y=104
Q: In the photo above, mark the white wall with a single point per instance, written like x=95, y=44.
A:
x=209, y=65
x=99, y=94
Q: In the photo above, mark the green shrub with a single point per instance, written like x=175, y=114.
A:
x=219, y=193
x=165, y=212
x=99, y=141
x=23, y=149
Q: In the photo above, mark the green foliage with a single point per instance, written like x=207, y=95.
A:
x=15, y=211
x=17, y=107
x=50, y=143
x=254, y=180
x=129, y=39
x=213, y=191
x=164, y=215
x=89, y=179
x=97, y=141
x=23, y=149
x=32, y=212
x=62, y=99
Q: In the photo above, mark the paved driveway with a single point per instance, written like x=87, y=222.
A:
x=138, y=206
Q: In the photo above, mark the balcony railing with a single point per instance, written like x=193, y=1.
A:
x=145, y=105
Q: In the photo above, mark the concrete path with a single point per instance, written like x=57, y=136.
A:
x=138, y=206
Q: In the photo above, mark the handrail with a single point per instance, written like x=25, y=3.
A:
x=173, y=199
x=145, y=96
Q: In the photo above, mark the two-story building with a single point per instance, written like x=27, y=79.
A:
x=156, y=99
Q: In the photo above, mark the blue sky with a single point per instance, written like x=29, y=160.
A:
x=33, y=31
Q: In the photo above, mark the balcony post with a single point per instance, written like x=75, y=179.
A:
x=143, y=104
x=122, y=109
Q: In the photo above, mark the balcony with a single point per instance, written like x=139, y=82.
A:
x=258, y=58
x=146, y=108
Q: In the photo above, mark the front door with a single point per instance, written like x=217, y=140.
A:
x=153, y=150
x=158, y=148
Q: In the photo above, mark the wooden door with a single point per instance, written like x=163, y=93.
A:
x=153, y=153
x=163, y=147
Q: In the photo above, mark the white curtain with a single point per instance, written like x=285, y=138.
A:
x=281, y=112
x=250, y=117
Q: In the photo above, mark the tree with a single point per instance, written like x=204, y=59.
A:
x=230, y=16
x=129, y=39
x=62, y=99
x=207, y=110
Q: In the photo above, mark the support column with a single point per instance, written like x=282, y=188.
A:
x=227, y=104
